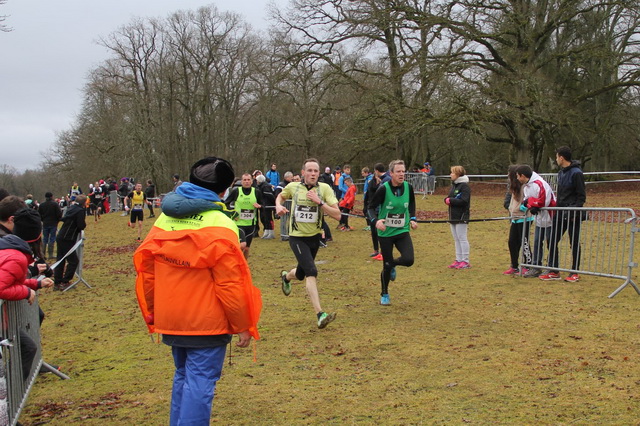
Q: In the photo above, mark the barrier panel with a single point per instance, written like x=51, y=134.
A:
x=78, y=247
x=591, y=241
x=284, y=222
x=422, y=183
x=20, y=322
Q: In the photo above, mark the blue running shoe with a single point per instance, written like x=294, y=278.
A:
x=392, y=277
x=385, y=300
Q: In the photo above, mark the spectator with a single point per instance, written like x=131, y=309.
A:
x=459, y=202
x=346, y=204
x=73, y=223
x=16, y=254
x=51, y=213
x=538, y=194
x=520, y=223
x=268, y=207
x=326, y=177
x=273, y=175
x=176, y=181
x=346, y=173
x=205, y=257
x=571, y=193
x=150, y=193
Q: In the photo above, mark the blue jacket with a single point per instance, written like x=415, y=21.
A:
x=273, y=176
x=341, y=185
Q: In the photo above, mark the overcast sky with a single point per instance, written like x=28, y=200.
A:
x=45, y=59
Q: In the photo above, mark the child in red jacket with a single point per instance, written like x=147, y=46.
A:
x=346, y=204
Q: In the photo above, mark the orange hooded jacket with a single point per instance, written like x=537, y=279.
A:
x=193, y=278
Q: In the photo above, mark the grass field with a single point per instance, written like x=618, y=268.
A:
x=468, y=346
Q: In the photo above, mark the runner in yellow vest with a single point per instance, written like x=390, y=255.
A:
x=138, y=200
x=246, y=201
x=310, y=199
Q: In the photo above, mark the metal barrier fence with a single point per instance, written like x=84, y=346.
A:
x=590, y=241
x=422, y=183
x=20, y=322
x=284, y=222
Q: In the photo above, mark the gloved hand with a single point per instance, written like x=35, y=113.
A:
x=534, y=210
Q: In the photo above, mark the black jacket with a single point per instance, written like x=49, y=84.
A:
x=571, y=188
x=73, y=222
x=460, y=200
x=50, y=212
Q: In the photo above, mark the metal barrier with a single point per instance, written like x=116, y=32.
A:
x=284, y=222
x=18, y=320
x=422, y=183
x=603, y=243
x=79, y=248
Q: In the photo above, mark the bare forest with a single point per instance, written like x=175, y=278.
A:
x=479, y=83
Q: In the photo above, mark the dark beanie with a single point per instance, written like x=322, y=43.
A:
x=212, y=173
x=27, y=224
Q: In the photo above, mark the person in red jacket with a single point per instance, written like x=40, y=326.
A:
x=194, y=286
x=346, y=204
x=15, y=257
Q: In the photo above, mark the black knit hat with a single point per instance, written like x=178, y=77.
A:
x=212, y=173
x=27, y=224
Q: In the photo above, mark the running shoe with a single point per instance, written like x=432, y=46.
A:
x=573, y=278
x=324, y=319
x=374, y=254
x=532, y=273
x=323, y=245
x=392, y=276
x=366, y=228
x=378, y=257
x=286, y=285
x=385, y=300
x=550, y=276
x=511, y=271
x=454, y=265
x=463, y=265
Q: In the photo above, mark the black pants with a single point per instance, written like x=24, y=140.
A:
x=266, y=216
x=344, y=217
x=151, y=209
x=326, y=229
x=403, y=243
x=249, y=233
x=515, y=241
x=562, y=222
x=28, y=350
x=374, y=235
x=305, y=250
x=71, y=261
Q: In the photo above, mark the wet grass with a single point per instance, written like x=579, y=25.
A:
x=470, y=346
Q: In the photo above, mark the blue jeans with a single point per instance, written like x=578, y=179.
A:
x=49, y=234
x=194, y=382
x=540, y=235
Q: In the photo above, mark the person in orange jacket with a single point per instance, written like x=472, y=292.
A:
x=194, y=286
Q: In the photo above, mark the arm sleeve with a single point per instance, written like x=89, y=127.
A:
x=145, y=284
x=376, y=201
x=80, y=220
x=11, y=273
x=465, y=197
x=232, y=197
x=581, y=192
x=241, y=300
x=412, y=202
